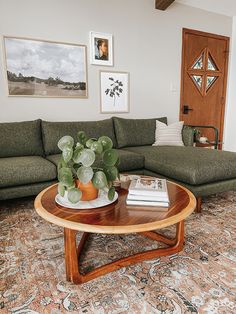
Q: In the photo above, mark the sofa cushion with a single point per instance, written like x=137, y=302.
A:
x=53, y=131
x=128, y=160
x=192, y=165
x=25, y=170
x=169, y=135
x=20, y=139
x=135, y=132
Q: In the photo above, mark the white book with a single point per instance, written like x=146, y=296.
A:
x=147, y=203
x=148, y=198
x=149, y=186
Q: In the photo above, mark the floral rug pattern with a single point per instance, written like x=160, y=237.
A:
x=200, y=279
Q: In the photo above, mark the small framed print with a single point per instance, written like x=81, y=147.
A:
x=101, y=49
x=114, y=92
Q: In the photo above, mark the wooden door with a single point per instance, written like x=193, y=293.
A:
x=204, y=80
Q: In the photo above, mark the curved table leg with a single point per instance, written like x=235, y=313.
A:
x=72, y=254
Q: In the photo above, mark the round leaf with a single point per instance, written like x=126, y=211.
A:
x=87, y=157
x=61, y=189
x=77, y=153
x=97, y=147
x=79, y=146
x=67, y=153
x=99, y=180
x=90, y=142
x=65, y=141
x=65, y=177
x=74, y=195
x=85, y=174
x=111, y=193
x=82, y=137
x=106, y=142
x=110, y=157
x=111, y=173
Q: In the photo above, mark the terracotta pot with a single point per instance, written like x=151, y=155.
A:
x=89, y=192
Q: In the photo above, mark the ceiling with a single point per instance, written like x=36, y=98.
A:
x=225, y=7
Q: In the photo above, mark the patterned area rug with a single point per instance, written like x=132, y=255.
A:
x=201, y=279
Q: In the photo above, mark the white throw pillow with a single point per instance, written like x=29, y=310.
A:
x=169, y=135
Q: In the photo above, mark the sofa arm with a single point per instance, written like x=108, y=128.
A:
x=188, y=135
x=196, y=128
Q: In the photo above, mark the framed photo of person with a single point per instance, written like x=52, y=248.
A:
x=114, y=92
x=101, y=49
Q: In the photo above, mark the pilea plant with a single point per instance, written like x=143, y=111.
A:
x=89, y=159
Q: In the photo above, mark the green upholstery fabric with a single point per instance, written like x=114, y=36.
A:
x=128, y=160
x=203, y=189
x=23, y=190
x=20, y=139
x=24, y=170
x=192, y=165
x=135, y=132
x=53, y=131
x=188, y=135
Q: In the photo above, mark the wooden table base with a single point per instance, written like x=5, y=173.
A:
x=72, y=254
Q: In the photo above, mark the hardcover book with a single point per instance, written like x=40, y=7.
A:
x=148, y=198
x=149, y=187
x=146, y=203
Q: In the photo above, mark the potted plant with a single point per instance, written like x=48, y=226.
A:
x=86, y=167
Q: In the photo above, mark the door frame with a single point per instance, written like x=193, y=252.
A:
x=186, y=31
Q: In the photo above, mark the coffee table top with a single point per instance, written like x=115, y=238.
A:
x=117, y=218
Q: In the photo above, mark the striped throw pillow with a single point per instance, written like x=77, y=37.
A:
x=169, y=135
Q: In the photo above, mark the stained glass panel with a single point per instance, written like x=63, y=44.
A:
x=197, y=80
x=198, y=65
x=210, y=81
x=211, y=65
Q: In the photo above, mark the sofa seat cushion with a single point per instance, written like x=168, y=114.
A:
x=25, y=170
x=192, y=165
x=128, y=160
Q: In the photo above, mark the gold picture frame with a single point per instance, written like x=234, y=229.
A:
x=43, y=68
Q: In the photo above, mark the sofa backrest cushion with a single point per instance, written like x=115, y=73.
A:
x=135, y=132
x=21, y=139
x=53, y=131
x=188, y=135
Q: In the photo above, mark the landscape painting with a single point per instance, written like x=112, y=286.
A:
x=45, y=69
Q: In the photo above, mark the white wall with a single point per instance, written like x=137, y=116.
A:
x=230, y=117
x=147, y=43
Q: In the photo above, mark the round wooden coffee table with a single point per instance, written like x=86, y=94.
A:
x=117, y=218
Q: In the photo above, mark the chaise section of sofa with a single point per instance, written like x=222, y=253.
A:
x=192, y=165
x=203, y=171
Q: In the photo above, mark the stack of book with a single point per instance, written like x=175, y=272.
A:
x=148, y=192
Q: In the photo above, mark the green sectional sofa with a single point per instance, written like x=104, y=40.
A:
x=29, y=155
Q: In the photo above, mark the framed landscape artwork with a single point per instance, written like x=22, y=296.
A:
x=114, y=92
x=101, y=49
x=38, y=68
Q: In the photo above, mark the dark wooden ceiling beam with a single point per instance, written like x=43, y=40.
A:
x=163, y=4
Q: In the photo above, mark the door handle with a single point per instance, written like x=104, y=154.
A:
x=186, y=109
